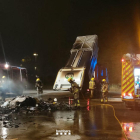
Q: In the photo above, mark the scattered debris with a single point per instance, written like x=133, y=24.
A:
x=6, y=104
x=16, y=126
x=26, y=105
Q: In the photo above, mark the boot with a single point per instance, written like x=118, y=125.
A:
x=102, y=100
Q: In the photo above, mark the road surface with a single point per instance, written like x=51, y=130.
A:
x=92, y=121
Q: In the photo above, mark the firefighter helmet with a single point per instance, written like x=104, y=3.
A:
x=103, y=80
x=92, y=78
x=37, y=79
x=70, y=79
x=3, y=77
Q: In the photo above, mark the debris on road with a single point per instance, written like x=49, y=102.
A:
x=26, y=105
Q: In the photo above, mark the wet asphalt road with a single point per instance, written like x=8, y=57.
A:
x=92, y=121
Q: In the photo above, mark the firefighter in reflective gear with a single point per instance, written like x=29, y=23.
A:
x=75, y=90
x=91, y=87
x=104, y=91
x=38, y=82
x=39, y=85
x=3, y=79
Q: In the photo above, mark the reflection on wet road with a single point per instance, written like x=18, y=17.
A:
x=132, y=130
x=92, y=121
x=88, y=122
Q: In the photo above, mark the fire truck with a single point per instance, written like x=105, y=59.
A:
x=13, y=79
x=130, y=85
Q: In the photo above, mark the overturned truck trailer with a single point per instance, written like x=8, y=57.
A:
x=81, y=64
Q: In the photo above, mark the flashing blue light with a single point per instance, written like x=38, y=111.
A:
x=93, y=63
x=102, y=73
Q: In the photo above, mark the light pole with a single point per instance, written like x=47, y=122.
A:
x=35, y=55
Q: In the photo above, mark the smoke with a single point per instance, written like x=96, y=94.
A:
x=14, y=87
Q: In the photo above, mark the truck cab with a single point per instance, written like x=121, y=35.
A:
x=12, y=79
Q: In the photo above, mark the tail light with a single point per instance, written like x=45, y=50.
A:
x=130, y=129
x=130, y=94
x=87, y=89
x=124, y=94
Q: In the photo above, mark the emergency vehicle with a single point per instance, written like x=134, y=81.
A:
x=130, y=85
x=13, y=79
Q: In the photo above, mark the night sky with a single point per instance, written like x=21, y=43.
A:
x=50, y=28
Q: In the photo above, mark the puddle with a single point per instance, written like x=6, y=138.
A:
x=131, y=130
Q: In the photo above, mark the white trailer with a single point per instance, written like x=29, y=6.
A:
x=81, y=63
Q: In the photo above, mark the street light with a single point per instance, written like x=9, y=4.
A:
x=6, y=66
x=35, y=55
x=35, y=67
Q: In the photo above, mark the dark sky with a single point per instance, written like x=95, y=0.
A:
x=50, y=28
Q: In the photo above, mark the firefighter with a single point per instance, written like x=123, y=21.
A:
x=75, y=90
x=3, y=79
x=39, y=85
x=91, y=86
x=38, y=81
x=104, y=91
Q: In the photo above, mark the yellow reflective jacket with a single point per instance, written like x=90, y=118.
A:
x=91, y=84
x=75, y=87
x=104, y=87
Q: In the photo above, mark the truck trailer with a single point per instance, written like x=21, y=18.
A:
x=82, y=64
x=130, y=85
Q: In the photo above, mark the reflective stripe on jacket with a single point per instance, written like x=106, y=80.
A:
x=104, y=87
x=91, y=85
x=75, y=87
